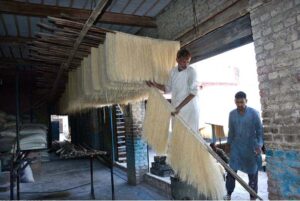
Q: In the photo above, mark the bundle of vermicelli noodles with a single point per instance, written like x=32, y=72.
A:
x=157, y=121
x=114, y=73
x=192, y=162
x=186, y=153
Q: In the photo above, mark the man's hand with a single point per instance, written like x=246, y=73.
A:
x=174, y=113
x=257, y=150
x=177, y=110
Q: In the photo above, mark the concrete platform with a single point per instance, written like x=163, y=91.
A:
x=52, y=178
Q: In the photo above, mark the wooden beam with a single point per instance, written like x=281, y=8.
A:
x=69, y=40
x=40, y=10
x=230, y=11
x=76, y=25
x=15, y=40
x=98, y=10
x=54, y=47
x=14, y=61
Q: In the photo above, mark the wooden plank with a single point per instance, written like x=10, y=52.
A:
x=13, y=40
x=62, y=54
x=70, y=31
x=69, y=40
x=41, y=10
x=78, y=25
x=58, y=44
x=54, y=47
x=232, y=11
x=6, y=60
x=91, y=20
x=65, y=42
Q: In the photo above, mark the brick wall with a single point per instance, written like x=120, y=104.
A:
x=276, y=34
x=136, y=148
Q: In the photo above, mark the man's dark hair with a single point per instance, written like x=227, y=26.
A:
x=183, y=53
x=212, y=144
x=240, y=94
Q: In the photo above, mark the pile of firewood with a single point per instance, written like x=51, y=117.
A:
x=68, y=150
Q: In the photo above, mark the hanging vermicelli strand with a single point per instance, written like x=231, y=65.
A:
x=157, y=122
x=115, y=72
x=193, y=163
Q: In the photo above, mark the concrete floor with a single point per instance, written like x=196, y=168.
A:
x=55, y=176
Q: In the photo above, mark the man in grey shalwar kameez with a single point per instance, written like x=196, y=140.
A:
x=245, y=138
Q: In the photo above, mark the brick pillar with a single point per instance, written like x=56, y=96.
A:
x=136, y=148
x=276, y=35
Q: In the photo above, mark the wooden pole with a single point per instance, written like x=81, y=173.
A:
x=98, y=10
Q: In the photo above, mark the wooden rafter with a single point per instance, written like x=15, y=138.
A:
x=98, y=10
x=13, y=40
x=31, y=9
x=6, y=60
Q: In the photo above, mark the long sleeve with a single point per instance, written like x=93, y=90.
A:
x=258, y=130
x=231, y=129
x=192, y=81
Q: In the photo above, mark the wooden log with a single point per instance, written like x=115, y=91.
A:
x=56, y=47
x=77, y=25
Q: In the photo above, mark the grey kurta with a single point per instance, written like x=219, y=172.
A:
x=245, y=134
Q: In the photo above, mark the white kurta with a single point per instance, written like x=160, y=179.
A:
x=181, y=84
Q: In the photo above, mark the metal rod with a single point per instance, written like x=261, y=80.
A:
x=92, y=177
x=148, y=158
x=17, y=128
x=12, y=179
x=18, y=182
x=112, y=154
x=17, y=108
x=30, y=97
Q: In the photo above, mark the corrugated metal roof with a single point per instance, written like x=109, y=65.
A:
x=26, y=26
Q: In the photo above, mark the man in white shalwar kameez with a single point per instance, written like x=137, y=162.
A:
x=184, y=87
